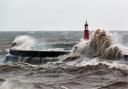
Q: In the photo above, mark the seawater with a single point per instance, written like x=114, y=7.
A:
x=81, y=73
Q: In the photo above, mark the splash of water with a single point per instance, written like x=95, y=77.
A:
x=80, y=47
x=24, y=42
x=101, y=44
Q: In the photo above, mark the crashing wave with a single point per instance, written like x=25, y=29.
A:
x=23, y=43
x=101, y=44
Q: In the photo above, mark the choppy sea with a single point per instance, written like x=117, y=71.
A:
x=81, y=73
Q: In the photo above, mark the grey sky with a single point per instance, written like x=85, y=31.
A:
x=63, y=14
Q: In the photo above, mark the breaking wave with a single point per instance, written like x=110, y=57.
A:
x=24, y=42
x=101, y=44
x=94, y=74
x=83, y=69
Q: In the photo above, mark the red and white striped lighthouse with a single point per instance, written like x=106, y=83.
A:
x=86, y=31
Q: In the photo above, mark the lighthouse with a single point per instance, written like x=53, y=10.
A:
x=86, y=31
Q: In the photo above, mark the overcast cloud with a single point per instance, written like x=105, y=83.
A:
x=63, y=14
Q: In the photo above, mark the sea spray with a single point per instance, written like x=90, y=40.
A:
x=80, y=47
x=101, y=44
x=116, y=38
x=24, y=42
x=84, y=72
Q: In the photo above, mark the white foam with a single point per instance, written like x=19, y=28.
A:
x=24, y=42
x=120, y=64
x=78, y=48
x=84, y=61
x=91, y=47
